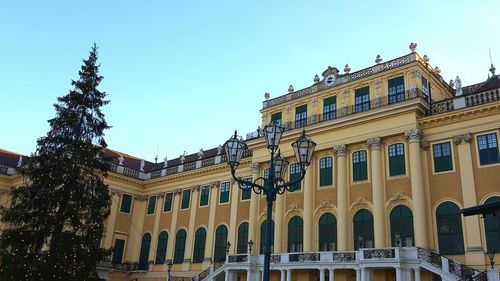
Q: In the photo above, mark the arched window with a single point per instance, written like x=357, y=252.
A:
x=492, y=227
x=449, y=227
x=402, y=226
x=295, y=234
x=220, y=243
x=180, y=245
x=242, y=238
x=161, y=249
x=327, y=232
x=263, y=233
x=199, y=245
x=143, y=257
x=363, y=229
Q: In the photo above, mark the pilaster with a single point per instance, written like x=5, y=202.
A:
x=378, y=193
x=233, y=217
x=110, y=224
x=193, y=207
x=342, y=198
x=173, y=225
x=136, y=225
x=254, y=202
x=308, y=188
x=156, y=225
x=211, y=223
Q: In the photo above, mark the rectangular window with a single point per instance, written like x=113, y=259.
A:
x=126, y=203
x=397, y=159
x=325, y=171
x=204, y=194
x=396, y=89
x=224, y=192
x=442, y=157
x=246, y=192
x=301, y=116
x=295, y=175
x=330, y=108
x=488, y=149
x=359, y=166
x=118, y=251
x=425, y=86
x=167, y=206
x=362, y=99
x=276, y=117
x=186, y=196
x=151, y=205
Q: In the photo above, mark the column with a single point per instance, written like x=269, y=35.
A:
x=226, y=275
x=308, y=188
x=193, y=207
x=278, y=224
x=364, y=275
x=211, y=222
x=398, y=273
x=342, y=198
x=424, y=145
x=331, y=275
x=282, y=275
x=173, y=225
x=110, y=225
x=378, y=193
x=321, y=274
x=233, y=217
x=156, y=225
x=254, y=207
x=417, y=274
x=417, y=188
x=474, y=252
x=358, y=274
x=135, y=231
x=288, y=275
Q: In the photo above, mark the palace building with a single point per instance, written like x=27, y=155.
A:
x=400, y=152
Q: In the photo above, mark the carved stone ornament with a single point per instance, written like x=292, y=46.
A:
x=267, y=95
x=20, y=161
x=325, y=205
x=314, y=102
x=465, y=138
x=165, y=163
x=316, y=78
x=347, y=69
x=294, y=208
x=340, y=150
x=200, y=153
x=437, y=70
x=290, y=88
x=183, y=157
x=398, y=196
x=255, y=168
x=120, y=160
x=413, y=47
x=140, y=197
x=219, y=149
x=378, y=59
x=196, y=187
x=374, y=143
x=360, y=201
x=425, y=60
x=424, y=144
x=413, y=135
x=142, y=165
x=177, y=192
x=215, y=184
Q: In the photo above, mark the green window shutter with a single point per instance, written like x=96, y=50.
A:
x=246, y=193
x=442, y=157
x=186, y=196
x=359, y=166
x=151, y=205
x=205, y=191
x=325, y=171
x=224, y=192
x=330, y=101
x=161, y=249
x=126, y=203
x=301, y=109
x=118, y=251
x=276, y=117
x=167, y=207
x=396, y=160
x=295, y=175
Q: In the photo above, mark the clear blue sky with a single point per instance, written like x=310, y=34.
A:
x=182, y=75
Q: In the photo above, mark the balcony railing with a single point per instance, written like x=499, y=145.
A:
x=349, y=110
x=126, y=266
x=468, y=100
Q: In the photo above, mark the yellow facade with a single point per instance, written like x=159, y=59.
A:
x=418, y=125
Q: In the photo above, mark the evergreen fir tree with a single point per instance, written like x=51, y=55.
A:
x=56, y=218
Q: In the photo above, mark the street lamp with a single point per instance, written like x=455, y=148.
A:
x=491, y=256
x=169, y=266
x=228, y=245
x=397, y=237
x=275, y=183
x=250, y=245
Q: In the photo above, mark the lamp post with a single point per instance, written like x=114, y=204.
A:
x=169, y=266
x=228, y=245
x=275, y=183
x=491, y=256
x=250, y=245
